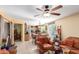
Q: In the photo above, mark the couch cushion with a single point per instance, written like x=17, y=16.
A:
x=4, y=51
x=12, y=51
x=76, y=43
x=64, y=46
x=47, y=46
x=75, y=51
x=69, y=42
x=43, y=40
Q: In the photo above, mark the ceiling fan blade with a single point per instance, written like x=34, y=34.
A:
x=39, y=9
x=56, y=14
x=36, y=15
x=58, y=7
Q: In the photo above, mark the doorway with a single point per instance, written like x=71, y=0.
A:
x=17, y=32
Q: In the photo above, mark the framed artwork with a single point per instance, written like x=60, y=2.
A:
x=43, y=29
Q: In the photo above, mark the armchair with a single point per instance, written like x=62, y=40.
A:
x=44, y=44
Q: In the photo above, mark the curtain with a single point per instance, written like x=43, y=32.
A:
x=52, y=31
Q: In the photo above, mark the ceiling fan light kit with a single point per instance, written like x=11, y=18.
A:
x=46, y=14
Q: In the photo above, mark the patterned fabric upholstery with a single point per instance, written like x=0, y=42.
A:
x=76, y=43
x=72, y=43
x=4, y=51
x=43, y=44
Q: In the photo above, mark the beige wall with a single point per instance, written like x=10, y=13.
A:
x=69, y=25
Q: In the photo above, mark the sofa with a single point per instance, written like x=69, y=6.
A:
x=11, y=50
x=72, y=43
x=44, y=44
x=4, y=51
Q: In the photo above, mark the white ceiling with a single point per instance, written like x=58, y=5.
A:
x=27, y=12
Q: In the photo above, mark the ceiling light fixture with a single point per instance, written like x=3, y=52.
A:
x=46, y=14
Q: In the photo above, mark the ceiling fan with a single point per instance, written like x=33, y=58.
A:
x=47, y=10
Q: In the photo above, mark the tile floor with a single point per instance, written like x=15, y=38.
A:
x=26, y=48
